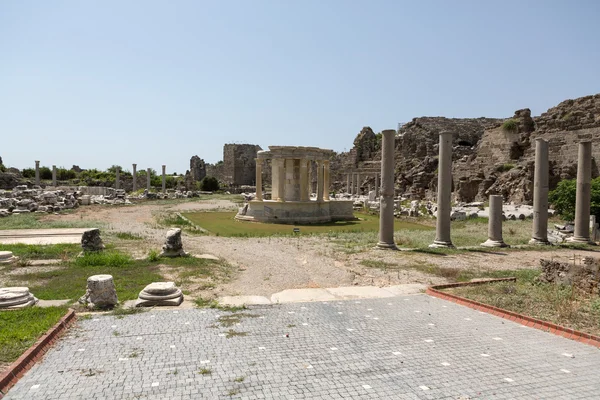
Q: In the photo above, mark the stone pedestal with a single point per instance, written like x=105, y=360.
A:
x=54, y=175
x=173, y=246
x=37, y=173
x=444, y=207
x=583, y=196
x=386, y=214
x=91, y=240
x=117, y=178
x=160, y=294
x=100, y=292
x=164, y=179
x=148, y=181
x=134, y=174
x=495, y=224
x=7, y=257
x=14, y=298
x=540, y=194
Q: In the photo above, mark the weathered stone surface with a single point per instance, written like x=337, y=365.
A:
x=7, y=257
x=100, y=292
x=160, y=294
x=583, y=275
x=15, y=298
x=239, y=165
x=91, y=240
x=173, y=246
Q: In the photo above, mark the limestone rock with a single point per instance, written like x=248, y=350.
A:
x=160, y=294
x=91, y=240
x=16, y=297
x=173, y=246
x=7, y=257
x=100, y=292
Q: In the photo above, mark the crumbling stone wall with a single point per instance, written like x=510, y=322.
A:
x=582, y=275
x=239, y=165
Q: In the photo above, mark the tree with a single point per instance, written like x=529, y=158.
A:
x=209, y=184
x=563, y=198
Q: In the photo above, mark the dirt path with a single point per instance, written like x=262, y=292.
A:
x=269, y=265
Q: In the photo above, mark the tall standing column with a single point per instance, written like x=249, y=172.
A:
x=347, y=183
x=148, y=179
x=583, y=196
x=54, y=175
x=326, y=180
x=37, y=173
x=164, y=179
x=281, y=179
x=310, y=178
x=376, y=185
x=357, y=184
x=540, y=194
x=495, y=224
x=134, y=187
x=320, y=179
x=444, y=208
x=386, y=205
x=353, y=183
x=304, y=196
x=117, y=177
x=259, y=195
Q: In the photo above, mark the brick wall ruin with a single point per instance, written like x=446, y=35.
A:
x=239, y=165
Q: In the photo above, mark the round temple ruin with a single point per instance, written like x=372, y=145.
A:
x=291, y=201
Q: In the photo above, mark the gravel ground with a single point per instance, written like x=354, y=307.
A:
x=269, y=265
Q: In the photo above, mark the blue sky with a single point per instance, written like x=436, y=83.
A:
x=97, y=83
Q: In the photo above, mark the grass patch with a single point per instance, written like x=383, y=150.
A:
x=103, y=258
x=205, y=303
x=559, y=304
x=510, y=125
x=233, y=333
x=224, y=224
x=39, y=221
x=128, y=236
x=204, y=371
x=43, y=252
x=20, y=329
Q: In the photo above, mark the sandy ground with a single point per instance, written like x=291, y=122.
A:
x=269, y=265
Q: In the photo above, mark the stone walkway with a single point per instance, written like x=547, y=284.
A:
x=406, y=347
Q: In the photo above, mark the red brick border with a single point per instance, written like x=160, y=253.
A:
x=512, y=316
x=18, y=368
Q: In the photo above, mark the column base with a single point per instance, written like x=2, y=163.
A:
x=580, y=240
x=437, y=244
x=539, y=242
x=494, y=243
x=386, y=246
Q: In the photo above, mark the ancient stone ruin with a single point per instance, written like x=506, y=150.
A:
x=173, y=246
x=582, y=274
x=12, y=298
x=239, y=165
x=7, y=257
x=100, y=292
x=91, y=241
x=290, y=190
x=160, y=294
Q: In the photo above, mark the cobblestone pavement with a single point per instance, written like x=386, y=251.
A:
x=407, y=347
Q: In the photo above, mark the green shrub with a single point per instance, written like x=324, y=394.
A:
x=510, y=125
x=28, y=173
x=2, y=168
x=563, y=198
x=63, y=174
x=209, y=184
x=153, y=256
x=45, y=173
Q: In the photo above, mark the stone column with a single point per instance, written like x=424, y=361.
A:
x=347, y=183
x=357, y=184
x=304, y=180
x=281, y=179
x=134, y=187
x=117, y=177
x=164, y=179
x=37, y=173
x=353, y=183
x=376, y=185
x=320, y=181
x=259, y=195
x=54, y=175
x=326, y=180
x=310, y=185
x=148, y=179
x=495, y=224
x=540, y=194
x=386, y=205
x=583, y=196
x=444, y=207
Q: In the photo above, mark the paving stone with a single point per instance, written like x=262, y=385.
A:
x=352, y=357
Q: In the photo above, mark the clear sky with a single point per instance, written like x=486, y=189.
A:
x=97, y=83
